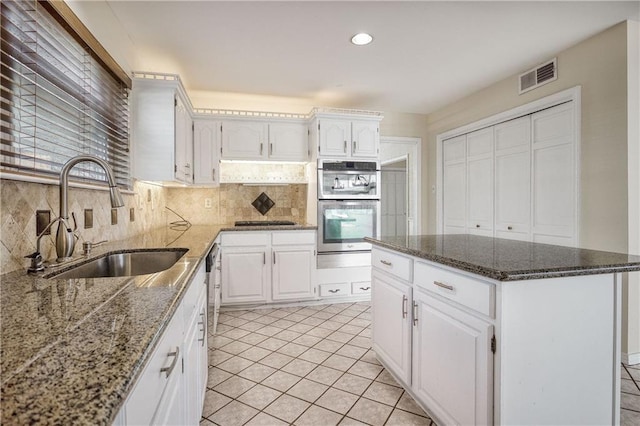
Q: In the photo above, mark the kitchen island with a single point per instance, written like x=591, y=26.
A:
x=491, y=331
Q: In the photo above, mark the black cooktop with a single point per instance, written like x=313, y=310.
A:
x=263, y=222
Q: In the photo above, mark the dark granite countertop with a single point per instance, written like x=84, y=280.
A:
x=71, y=350
x=509, y=260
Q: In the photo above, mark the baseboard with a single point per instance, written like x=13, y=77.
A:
x=631, y=359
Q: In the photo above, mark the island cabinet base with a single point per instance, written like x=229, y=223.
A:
x=473, y=350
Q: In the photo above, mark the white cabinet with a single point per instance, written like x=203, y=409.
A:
x=424, y=334
x=206, y=148
x=347, y=137
x=268, y=266
x=244, y=139
x=161, y=132
x=244, y=274
x=264, y=140
x=513, y=179
x=288, y=141
x=452, y=361
x=170, y=389
x=390, y=303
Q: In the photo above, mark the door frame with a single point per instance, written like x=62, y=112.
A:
x=572, y=94
x=398, y=148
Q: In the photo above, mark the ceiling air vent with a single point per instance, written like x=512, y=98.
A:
x=542, y=74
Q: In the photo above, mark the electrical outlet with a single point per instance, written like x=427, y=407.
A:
x=88, y=218
x=114, y=216
x=132, y=214
x=208, y=202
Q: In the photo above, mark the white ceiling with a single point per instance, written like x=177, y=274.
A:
x=424, y=54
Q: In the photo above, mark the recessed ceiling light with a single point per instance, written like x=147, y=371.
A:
x=361, y=39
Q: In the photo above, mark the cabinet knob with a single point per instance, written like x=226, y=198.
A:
x=509, y=228
x=477, y=226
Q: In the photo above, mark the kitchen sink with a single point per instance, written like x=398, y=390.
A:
x=263, y=222
x=123, y=264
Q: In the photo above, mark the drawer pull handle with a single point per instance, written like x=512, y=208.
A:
x=385, y=262
x=365, y=288
x=334, y=291
x=404, y=306
x=204, y=328
x=415, y=313
x=439, y=284
x=170, y=368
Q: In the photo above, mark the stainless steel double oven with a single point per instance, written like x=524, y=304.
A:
x=348, y=205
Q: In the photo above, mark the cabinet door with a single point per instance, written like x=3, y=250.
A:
x=171, y=410
x=293, y=273
x=480, y=182
x=244, y=140
x=452, y=362
x=206, y=147
x=365, y=138
x=288, y=141
x=184, y=143
x=554, y=174
x=513, y=179
x=391, y=323
x=244, y=274
x=454, y=185
x=195, y=356
x=334, y=137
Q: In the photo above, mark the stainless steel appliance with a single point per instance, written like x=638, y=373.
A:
x=348, y=180
x=348, y=207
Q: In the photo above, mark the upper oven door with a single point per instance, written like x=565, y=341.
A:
x=348, y=180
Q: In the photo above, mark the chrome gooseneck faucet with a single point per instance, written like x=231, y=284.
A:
x=65, y=238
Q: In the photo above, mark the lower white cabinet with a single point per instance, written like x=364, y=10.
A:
x=170, y=389
x=268, y=266
x=390, y=302
x=452, y=361
x=475, y=351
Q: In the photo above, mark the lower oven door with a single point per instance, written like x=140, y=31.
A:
x=343, y=224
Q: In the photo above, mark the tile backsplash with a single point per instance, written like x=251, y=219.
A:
x=231, y=202
x=20, y=200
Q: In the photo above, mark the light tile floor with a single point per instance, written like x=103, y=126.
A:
x=313, y=365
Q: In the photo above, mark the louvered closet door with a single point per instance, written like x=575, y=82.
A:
x=513, y=179
x=554, y=176
x=454, y=188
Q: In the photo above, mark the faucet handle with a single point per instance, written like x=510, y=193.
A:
x=37, y=263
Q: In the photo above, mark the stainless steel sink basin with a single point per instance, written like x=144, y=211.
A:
x=123, y=264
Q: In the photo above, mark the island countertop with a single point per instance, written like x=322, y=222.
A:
x=509, y=260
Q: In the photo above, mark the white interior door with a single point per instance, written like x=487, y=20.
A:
x=394, y=199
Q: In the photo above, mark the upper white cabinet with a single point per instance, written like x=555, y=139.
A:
x=161, y=131
x=246, y=139
x=206, y=148
x=517, y=179
x=340, y=136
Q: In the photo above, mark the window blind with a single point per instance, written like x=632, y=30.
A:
x=58, y=100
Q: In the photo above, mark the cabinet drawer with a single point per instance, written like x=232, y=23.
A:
x=363, y=287
x=337, y=289
x=394, y=264
x=240, y=238
x=472, y=293
x=293, y=237
x=145, y=396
